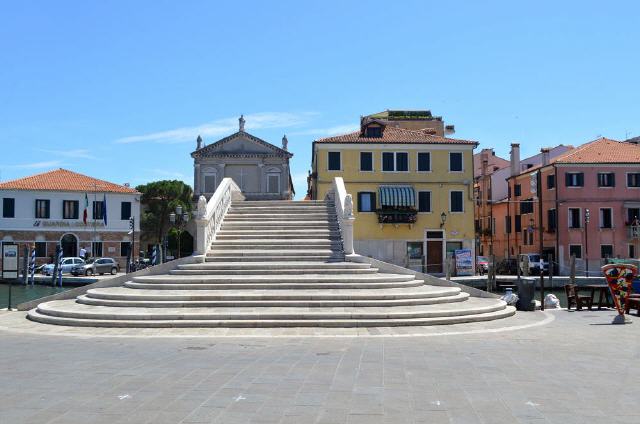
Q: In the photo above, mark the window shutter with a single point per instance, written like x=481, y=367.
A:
x=48, y=204
x=580, y=179
x=373, y=201
x=567, y=179
x=76, y=209
x=613, y=179
x=359, y=202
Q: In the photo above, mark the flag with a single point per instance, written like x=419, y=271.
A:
x=104, y=210
x=85, y=214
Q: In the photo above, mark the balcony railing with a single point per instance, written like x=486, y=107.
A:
x=397, y=216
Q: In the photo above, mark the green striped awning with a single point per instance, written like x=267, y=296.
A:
x=403, y=196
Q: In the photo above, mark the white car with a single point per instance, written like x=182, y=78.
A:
x=67, y=265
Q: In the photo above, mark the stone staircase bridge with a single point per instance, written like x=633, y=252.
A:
x=274, y=264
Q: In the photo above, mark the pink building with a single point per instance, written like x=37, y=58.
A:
x=590, y=198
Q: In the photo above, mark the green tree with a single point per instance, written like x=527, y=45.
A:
x=159, y=199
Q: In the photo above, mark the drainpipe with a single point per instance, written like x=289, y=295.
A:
x=555, y=177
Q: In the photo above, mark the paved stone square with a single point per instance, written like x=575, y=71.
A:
x=552, y=367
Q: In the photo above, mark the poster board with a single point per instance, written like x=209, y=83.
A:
x=10, y=261
x=464, y=262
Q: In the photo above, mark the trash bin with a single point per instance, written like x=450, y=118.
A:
x=526, y=294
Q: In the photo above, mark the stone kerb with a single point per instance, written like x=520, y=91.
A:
x=111, y=282
x=428, y=279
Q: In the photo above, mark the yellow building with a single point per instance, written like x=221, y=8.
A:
x=412, y=191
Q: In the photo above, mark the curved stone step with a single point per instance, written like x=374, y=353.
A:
x=293, y=271
x=421, y=291
x=490, y=316
x=275, y=303
x=71, y=309
x=304, y=278
x=271, y=286
x=277, y=265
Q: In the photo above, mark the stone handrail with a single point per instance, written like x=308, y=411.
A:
x=344, y=211
x=210, y=214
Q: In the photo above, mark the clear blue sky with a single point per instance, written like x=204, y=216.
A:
x=120, y=90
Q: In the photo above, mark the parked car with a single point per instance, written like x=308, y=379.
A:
x=507, y=266
x=534, y=260
x=96, y=266
x=482, y=265
x=67, y=265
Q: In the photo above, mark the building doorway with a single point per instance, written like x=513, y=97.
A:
x=69, y=244
x=435, y=240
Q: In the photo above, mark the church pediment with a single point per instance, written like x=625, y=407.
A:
x=240, y=144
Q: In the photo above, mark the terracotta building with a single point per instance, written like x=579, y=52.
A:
x=46, y=210
x=590, y=198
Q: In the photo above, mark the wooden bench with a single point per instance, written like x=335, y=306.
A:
x=632, y=302
x=574, y=298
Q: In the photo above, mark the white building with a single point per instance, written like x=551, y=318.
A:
x=47, y=209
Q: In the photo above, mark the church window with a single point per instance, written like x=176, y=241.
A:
x=273, y=183
x=209, y=183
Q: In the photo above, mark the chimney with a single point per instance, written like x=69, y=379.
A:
x=198, y=143
x=515, y=159
x=545, y=155
x=484, y=160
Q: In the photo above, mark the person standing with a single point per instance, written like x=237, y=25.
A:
x=83, y=253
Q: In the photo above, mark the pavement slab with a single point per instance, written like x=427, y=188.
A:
x=535, y=367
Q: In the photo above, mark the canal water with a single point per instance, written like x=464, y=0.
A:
x=21, y=293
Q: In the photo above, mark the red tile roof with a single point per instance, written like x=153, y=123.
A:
x=64, y=180
x=602, y=150
x=394, y=135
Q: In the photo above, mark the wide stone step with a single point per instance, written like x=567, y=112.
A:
x=270, y=226
x=279, y=222
x=274, y=303
x=274, y=216
x=280, y=209
x=305, y=278
x=418, y=292
x=312, y=232
x=36, y=316
x=297, y=244
x=280, y=258
x=233, y=235
x=281, y=265
x=277, y=242
x=273, y=271
x=283, y=203
x=269, y=252
x=71, y=309
x=272, y=285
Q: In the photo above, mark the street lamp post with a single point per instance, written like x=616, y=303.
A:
x=587, y=215
x=179, y=220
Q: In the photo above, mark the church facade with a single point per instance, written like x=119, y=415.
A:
x=259, y=168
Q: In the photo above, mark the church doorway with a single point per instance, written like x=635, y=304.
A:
x=69, y=243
